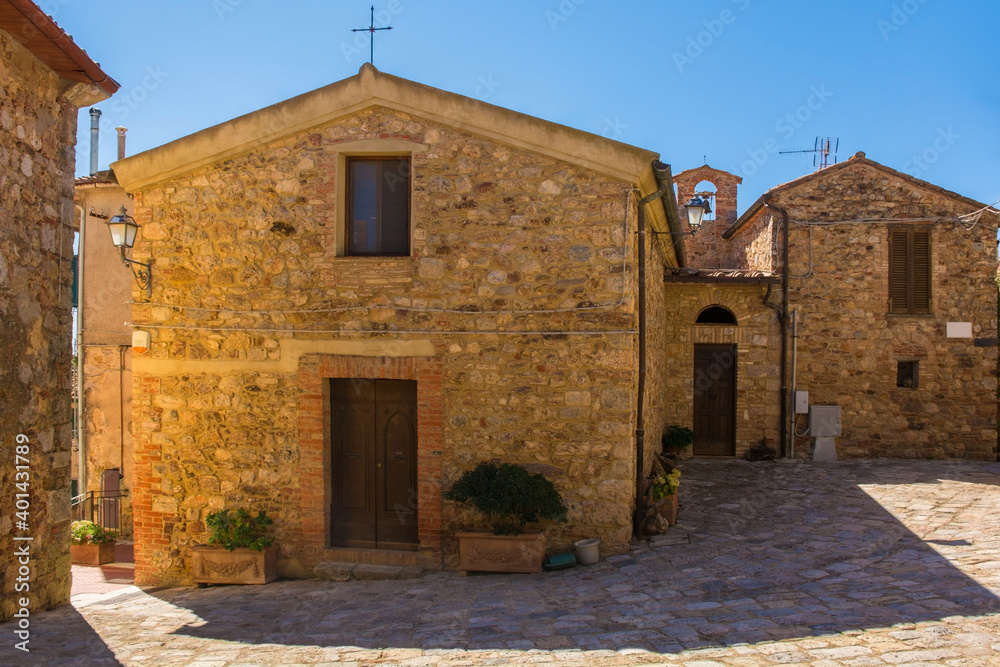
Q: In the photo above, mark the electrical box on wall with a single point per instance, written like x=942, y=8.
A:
x=801, y=402
x=824, y=421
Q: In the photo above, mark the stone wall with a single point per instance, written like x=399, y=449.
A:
x=757, y=338
x=756, y=246
x=849, y=346
x=520, y=288
x=37, y=134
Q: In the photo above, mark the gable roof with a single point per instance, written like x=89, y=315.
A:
x=367, y=88
x=30, y=26
x=856, y=160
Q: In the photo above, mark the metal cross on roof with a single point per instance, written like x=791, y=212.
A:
x=371, y=29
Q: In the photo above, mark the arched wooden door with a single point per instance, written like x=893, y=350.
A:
x=374, y=463
x=714, y=400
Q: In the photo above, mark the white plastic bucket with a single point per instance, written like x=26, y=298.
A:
x=587, y=551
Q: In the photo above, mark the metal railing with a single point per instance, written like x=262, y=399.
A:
x=102, y=507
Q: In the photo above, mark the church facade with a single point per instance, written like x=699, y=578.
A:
x=362, y=292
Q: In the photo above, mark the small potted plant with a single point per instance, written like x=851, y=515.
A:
x=663, y=493
x=91, y=544
x=508, y=497
x=677, y=440
x=239, y=551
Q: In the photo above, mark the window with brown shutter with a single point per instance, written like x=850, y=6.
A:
x=909, y=270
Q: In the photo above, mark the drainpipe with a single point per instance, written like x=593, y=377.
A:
x=784, y=325
x=662, y=173
x=81, y=485
x=95, y=132
x=121, y=411
x=795, y=346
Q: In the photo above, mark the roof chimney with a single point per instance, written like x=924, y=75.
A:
x=95, y=130
x=121, y=141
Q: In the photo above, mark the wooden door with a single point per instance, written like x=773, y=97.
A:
x=374, y=463
x=715, y=400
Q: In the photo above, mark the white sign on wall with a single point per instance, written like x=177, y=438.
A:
x=959, y=329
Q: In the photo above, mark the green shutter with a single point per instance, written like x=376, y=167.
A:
x=76, y=279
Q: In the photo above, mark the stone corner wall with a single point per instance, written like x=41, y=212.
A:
x=37, y=135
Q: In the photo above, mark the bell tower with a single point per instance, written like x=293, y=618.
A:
x=706, y=249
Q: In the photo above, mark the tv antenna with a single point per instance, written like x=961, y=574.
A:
x=821, y=150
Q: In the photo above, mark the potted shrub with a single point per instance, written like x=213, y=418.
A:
x=508, y=497
x=91, y=544
x=239, y=550
x=677, y=440
x=663, y=493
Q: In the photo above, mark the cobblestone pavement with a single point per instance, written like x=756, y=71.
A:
x=820, y=564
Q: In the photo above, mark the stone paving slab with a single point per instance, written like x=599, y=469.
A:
x=788, y=563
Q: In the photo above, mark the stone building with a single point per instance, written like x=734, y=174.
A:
x=892, y=282
x=385, y=256
x=44, y=79
x=104, y=350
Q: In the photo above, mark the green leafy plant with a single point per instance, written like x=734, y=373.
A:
x=239, y=529
x=88, y=532
x=665, y=485
x=677, y=437
x=508, y=496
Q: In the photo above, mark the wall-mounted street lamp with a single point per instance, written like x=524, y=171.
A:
x=123, y=228
x=697, y=208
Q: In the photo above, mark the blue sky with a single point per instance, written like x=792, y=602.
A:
x=910, y=82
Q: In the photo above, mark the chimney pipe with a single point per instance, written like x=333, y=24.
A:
x=121, y=141
x=95, y=130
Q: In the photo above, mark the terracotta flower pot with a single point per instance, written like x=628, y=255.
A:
x=215, y=565
x=668, y=508
x=486, y=552
x=92, y=554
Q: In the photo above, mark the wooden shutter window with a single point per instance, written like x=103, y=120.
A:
x=909, y=271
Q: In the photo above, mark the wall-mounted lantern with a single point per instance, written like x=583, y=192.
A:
x=124, y=228
x=696, y=210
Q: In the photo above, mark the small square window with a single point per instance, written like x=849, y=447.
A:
x=906, y=373
x=378, y=206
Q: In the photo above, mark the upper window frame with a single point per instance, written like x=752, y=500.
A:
x=349, y=201
x=365, y=148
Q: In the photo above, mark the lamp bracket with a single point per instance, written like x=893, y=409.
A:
x=143, y=276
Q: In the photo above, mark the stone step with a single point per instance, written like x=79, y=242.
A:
x=333, y=571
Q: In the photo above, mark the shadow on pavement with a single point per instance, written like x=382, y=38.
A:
x=778, y=550
x=58, y=637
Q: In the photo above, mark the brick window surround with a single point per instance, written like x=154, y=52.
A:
x=314, y=449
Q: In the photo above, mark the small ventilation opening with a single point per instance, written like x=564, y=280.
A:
x=716, y=315
x=906, y=373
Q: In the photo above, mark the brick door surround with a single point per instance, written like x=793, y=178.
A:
x=314, y=450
